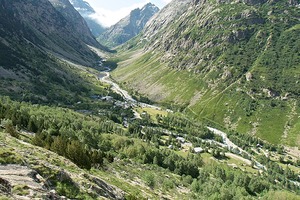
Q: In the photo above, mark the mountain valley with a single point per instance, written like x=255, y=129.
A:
x=201, y=102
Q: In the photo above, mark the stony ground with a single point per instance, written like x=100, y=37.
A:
x=36, y=171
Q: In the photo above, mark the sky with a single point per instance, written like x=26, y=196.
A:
x=109, y=12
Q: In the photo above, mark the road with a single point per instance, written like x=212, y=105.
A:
x=230, y=145
x=104, y=76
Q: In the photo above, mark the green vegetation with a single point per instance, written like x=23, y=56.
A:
x=21, y=190
x=279, y=195
x=7, y=155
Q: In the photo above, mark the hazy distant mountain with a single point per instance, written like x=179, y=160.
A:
x=86, y=11
x=129, y=26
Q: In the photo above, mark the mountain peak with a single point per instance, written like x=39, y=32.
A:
x=150, y=7
x=129, y=26
x=82, y=6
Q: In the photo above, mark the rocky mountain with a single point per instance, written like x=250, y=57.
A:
x=76, y=21
x=233, y=63
x=129, y=26
x=32, y=36
x=87, y=12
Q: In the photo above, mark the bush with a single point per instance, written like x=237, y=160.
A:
x=9, y=128
x=149, y=179
x=168, y=184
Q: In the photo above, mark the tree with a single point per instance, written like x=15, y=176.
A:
x=10, y=128
x=256, y=186
x=149, y=179
x=59, y=146
x=77, y=153
x=32, y=125
x=97, y=158
x=195, y=186
x=155, y=161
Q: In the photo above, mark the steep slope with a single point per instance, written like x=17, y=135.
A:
x=31, y=172
x=86, y=11
x=234, y=63
x=129, y=26
x=76, y=21
x=32, y=36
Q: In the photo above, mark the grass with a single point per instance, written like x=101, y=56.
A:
x=292, y=167
x=4, y=198
x=182, y=153
x=207, y=158
x=242, y=165
x=152, y=112
x=21, y=190
x=293, y=136
x=272, y=124
x=141, y=181
x=281, y=195
x=8, y=154
x=122, y=184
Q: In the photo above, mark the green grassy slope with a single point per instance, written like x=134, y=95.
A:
x=238, y=66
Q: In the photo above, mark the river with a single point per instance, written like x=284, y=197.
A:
x=104, y=76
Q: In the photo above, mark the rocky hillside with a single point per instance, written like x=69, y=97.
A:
x=78, y=24
x=129, y=26
x=86, y=11
x=30, y=172
x=234, y=63
x=32, y=38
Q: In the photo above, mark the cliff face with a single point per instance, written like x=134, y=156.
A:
x=129, y=26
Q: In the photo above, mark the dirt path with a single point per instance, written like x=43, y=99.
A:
x=231, y=155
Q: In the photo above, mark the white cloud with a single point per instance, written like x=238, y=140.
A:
x=166, y=1
x=108, y=17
